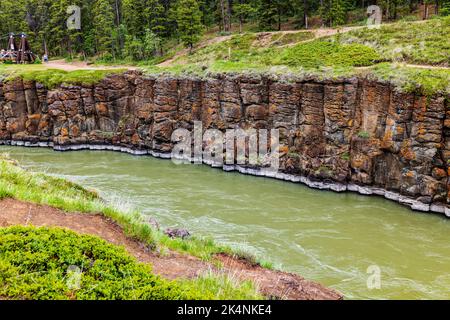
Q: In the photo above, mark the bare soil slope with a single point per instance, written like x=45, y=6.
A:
x=171, y=265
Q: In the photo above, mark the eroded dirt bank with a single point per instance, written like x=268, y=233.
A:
x=171, y=265
x=351, y=134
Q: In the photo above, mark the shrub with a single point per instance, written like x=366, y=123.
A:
x=35, y=263
x=364, y=135
x=317, y=54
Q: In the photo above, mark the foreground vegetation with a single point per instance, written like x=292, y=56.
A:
x=57, y=264
x=34, y=261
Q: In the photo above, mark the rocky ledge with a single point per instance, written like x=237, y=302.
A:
x=352, y=134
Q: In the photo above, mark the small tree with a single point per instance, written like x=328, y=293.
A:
x=189, y=22
x=134, y=48
x=152, y=44
x=337, y=12
x=243, y=11
x=445, y=10
x=267, y=13
x=103, y=21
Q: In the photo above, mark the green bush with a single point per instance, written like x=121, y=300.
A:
x=445, y=10
x=35, y=263
x=363, y=134
x=317, y=54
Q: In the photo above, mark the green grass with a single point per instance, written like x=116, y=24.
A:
x=58, y=264
x=222, y=287
x=290, y=38
x=410, y=79
x=416, y=43
x=317, y=54
x=239, y=46
x=39, y=188
x=242, y=53
x=54, y=77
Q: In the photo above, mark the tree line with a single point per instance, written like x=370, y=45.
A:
x=142, y=29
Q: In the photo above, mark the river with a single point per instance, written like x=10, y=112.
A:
x=332, y=238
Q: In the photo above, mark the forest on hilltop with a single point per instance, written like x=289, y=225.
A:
x=145, y=29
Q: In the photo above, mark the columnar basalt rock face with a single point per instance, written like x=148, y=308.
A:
x=354, y=132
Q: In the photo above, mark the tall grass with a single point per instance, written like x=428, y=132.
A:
x=416, y=43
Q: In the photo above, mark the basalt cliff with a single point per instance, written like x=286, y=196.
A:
x=353, y=134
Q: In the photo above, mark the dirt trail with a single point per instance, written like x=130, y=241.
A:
x=171, y=265
x=80, y=65
x=318, y=33
x=184, y=52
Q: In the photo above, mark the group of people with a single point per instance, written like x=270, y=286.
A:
x=19, y=50
x=12, y=56
x=7, y=55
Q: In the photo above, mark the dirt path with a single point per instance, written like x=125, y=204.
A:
x=184, y=52
x=274, y=284
x=80, y=65
x=318, y=33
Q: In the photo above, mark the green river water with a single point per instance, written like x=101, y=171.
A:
x=328, y=237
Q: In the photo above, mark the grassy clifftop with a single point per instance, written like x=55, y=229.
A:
x=412, y=55
x=59, y=264
x=423, y=43
x=54, y=77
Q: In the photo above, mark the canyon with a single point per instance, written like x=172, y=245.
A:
x=352, y=134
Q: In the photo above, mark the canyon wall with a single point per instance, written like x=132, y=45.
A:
x=352, y=134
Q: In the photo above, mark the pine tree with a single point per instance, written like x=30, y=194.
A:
x=268, y=14
x=336, y=14
x=445, y=10
x=103, y=24
x=155, y=16
x=189, y=22
x=243, y=11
